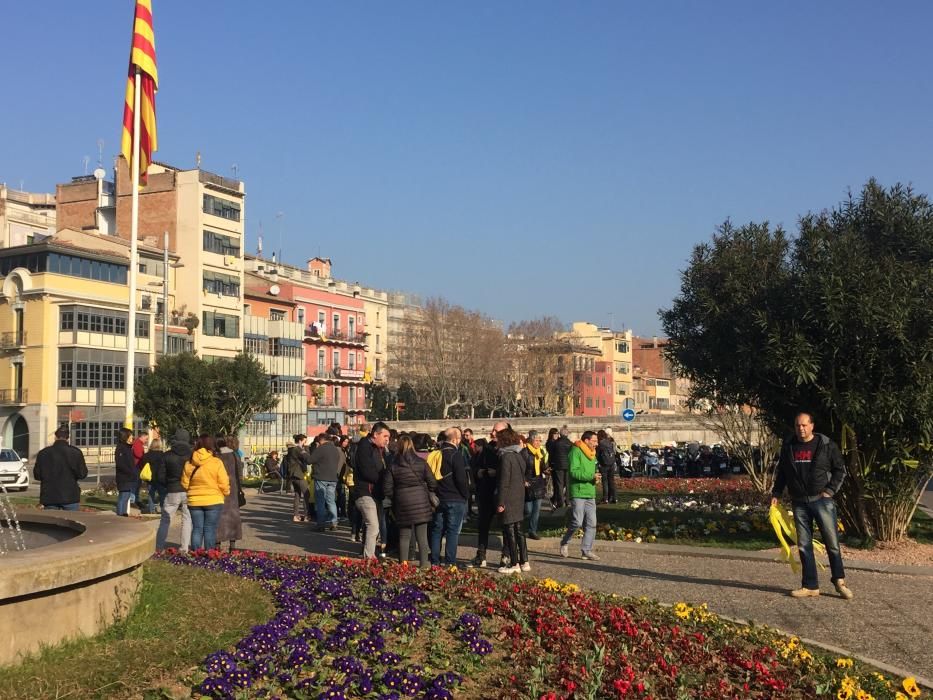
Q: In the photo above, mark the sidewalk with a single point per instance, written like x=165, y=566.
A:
x=890, y=619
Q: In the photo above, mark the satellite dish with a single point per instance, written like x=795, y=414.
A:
x=100, y=173
x=274, y=290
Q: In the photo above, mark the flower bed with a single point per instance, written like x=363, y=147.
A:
x=737, y=491
x=366, y=629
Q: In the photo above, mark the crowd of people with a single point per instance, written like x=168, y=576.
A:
x=402, y=492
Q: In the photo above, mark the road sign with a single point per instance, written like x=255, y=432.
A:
x=628, y=415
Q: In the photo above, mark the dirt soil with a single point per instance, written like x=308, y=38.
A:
x=906, y=553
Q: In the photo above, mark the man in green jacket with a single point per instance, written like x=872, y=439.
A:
x=582, y=490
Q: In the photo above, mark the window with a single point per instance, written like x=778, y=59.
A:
x=254, y=346
x=350, y=326
x=142, y=327
x=589, y=402
x=320, y=360
x=221, y=325
x=337, y=396
x=622, y=346
x=98, y=321
x=336, y=327
x=285, y=347
x=220, y=243
x=219, y=283
x=67, y=320
x=336, y=358
x=351, y=358
x=65, y=375
x=301, y=315
x=377, y=343
x=276, y=315
x=623, y=368
x=320, y=318
x=156, y=268
x=106, y=377
x=223, y=208
x=81, y=374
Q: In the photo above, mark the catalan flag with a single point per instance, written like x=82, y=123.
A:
x=142, y=57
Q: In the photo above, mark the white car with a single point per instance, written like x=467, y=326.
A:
x=14, y=474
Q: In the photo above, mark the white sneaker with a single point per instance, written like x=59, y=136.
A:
x=526, y=566
x=565, y=551
x=590, y=556
x=510, y=569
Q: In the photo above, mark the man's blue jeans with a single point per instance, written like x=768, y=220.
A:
x=325, y=502
x=204, y=521
x=533, y=512
x=123, y=502
x=447, y=522
x=823, y=512
x=63, y=506
x=583, y=515
x=156, y=496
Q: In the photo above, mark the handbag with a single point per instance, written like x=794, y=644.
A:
x=432, y=497
x=240, y=497
x=146, y=472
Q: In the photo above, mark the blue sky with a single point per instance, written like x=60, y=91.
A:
x=520, y=158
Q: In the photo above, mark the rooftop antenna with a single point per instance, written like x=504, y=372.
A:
x=259, y=244
x=197, y=159
x=86, y=160
x=100, y=153
x=279, y=215
x=236, y=169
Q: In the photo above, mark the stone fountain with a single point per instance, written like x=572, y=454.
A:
x=65, y=574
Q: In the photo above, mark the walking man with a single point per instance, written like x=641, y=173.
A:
x=582, y=490
x=59, y=467
x=485, y=476
x=369, y=464
x=328, y=461
x=559, y=458
x=812, y=470
x=606, y=457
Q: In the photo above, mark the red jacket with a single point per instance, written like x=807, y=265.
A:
x=139, y=449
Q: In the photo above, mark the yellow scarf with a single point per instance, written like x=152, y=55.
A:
x=590, y=454
x=538, y=453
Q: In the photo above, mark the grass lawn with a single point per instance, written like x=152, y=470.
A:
x=183, y=615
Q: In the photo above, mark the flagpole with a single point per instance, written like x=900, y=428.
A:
x=134, y=228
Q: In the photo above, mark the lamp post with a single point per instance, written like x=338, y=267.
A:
x=165, y=266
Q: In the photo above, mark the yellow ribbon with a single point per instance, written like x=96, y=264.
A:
x=782, y=526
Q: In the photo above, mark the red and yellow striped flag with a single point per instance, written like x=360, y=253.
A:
x=143, y=57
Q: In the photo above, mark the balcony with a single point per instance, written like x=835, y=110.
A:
x=14, y=397
x=336, y=337
x=339, y=374
x=10, y=340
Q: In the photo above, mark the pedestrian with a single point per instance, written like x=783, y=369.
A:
x=154, y=457
x=205, y=478
x=58, y=468
x=328, y=461
x=127, y=473
x=535, y=457
x=139, y=451
x=485, y=477
x=343, y=505
x=559, y=459
x=606, y=458
x=810, y=466
x=297, y=460
x=582, y=491
x=367, y=476
x=453, y=491
x=271, y=466
x=176, y=497
x=510, y=500
x=230, y=525
x=407, y=490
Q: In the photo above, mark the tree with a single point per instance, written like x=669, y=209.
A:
x=837, y=323
x=184, y=391
x=745, y=435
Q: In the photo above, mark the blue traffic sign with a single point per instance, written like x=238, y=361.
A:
x=628, y=415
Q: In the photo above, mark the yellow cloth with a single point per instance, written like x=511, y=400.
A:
x=539, y=454
x=782, y=526
x=146, y=473
x=210, y=485
x=590, y=454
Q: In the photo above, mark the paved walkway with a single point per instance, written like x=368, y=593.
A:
x=890, y=619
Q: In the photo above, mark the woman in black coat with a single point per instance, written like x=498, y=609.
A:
x=405, y=488
x=155, y=457
x=536, y=459
x=511, y=500
x=127, y=475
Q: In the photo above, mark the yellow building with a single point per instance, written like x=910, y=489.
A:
x=63, y=339
x=616, y=347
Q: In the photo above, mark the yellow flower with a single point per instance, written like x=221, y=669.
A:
x=570, y=588
x=844, y=694
x=805, y=656
x=550, y=584
x=843, y=663
x=910, y=687
x=682, y=610
x=898, y=695
x=862, y=695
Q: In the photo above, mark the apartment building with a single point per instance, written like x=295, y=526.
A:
x=657, y=388
x=25, y=217
x=616, y=349
x=63, y=338
x=203, y=215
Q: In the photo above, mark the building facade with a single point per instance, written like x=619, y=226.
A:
x=25, y=217
x=616, y=349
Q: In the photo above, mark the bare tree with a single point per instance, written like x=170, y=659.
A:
x=744, y=433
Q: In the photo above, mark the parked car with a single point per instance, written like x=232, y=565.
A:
x=13, y=472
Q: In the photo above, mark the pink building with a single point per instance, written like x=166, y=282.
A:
x=592, y=380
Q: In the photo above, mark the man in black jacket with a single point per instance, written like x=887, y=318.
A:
x=559, y=460
x=485, y=478
x=368, y=466
x=168, y=477
x=59, y=467
x=812, y=470
x=606, y=459
x=453, y=490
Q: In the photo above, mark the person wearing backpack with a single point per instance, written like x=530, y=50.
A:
x=453, y=490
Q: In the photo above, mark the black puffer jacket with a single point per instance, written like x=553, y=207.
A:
x=368, y=466
x=606, y=454
x=454, y=484
x=826, y=472
x=559, y=452
x=485, y=471
x=406, y=485
x=59, y=467
x=173, y=462
x=127, y=475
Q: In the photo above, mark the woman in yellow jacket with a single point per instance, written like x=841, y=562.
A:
x=207, y=483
